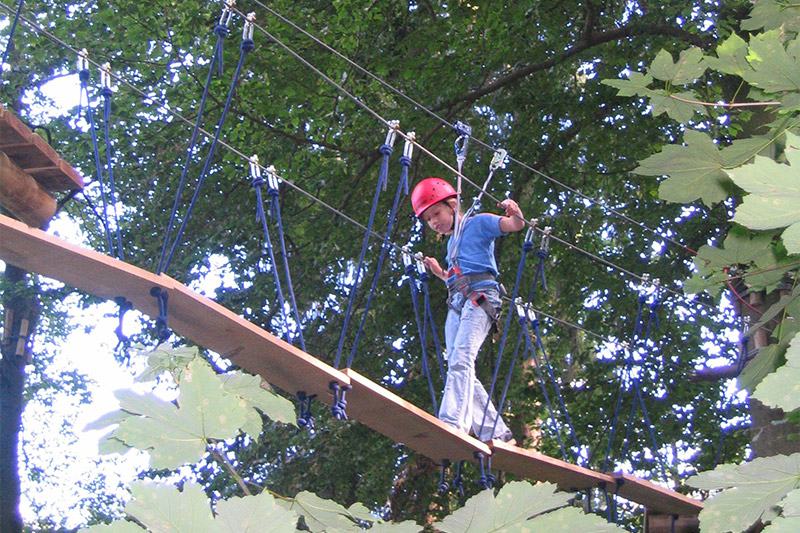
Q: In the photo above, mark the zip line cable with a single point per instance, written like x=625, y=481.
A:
x=594, y=201
x=327, y=206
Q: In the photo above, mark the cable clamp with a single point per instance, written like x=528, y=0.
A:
x=83, y=60
x=531, y=230
x=498, y=159
x=408, y=148
x=255, y=168
x=249, y=25
x=227, y=13
x=105, y=75
x=391, y=135
x=422, y=270
x=546, y=238
x=273, y=181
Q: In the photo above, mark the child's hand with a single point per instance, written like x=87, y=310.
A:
x=514, y=219
x=435, y=268
x=511, y=207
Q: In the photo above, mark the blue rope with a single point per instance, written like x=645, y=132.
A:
x=339, y=402
x=531, y=347
x=501, y=349
x=421, y=327
x=84, y=75
x=257, y=182
x=106, y=92
x=190, y=150
x=274, y=192
x=11, y=34
x=386, y=150
x=428, y=313
x=402, y=186
x=246, y=46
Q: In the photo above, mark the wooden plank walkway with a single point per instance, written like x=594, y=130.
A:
x=209, y=324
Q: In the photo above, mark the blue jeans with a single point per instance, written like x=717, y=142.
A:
x=465, y=399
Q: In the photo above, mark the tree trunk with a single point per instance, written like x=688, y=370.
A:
x=19, y=321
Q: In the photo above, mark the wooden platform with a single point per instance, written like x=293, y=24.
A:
x=34, y=156
x=190, y=315
x=210, y=325
x=406, y=423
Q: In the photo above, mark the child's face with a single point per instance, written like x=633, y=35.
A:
x=439, y=217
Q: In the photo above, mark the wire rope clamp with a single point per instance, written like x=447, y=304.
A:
x=247, y=32
x=105, y=75
x=255, y=171
x=227, y=13
x=408, y=260
x=408, y=147
x=546, y=238
x=273, y=181
x=391, y=135
x=83, y=65
x=531, y=230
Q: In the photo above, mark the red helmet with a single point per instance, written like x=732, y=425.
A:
x=428, y=192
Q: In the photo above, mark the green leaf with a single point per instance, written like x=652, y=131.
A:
x=254, y=514
x=769, y=15
x=253, y=390
x=161, y=507
x=753, y=489
x=680, y=107
x=166, y=358
x=773, y=271
x=731, y=56
x=174, y=435
x=694, y=170
x=791, y=504
x=773, y=68
x=774, y=199
x=762, y=365
x=689, y=67
x=636, y=84
x=791, y=238
x=570, y=519
x=326, y=515
x=118, y=526
x=514, y=505
x=773, y=311
x=783, y=525
x=781, y=389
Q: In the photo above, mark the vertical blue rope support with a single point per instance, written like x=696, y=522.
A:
x=412, y=284
x=501, y=348
x=256, y=183
x=105, y=81
x=386, y=150
x=428, y=314
x=531, y=347
x=402, y=188
x=274, y=192
x=11, y=34
x=221, y=30
x=246, y=47
x=84, y=75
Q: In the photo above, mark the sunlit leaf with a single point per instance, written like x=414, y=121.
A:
x=791, y=238
x=162, y=507
x=327, y=515
x=636, y=84
x=769, y=15
x=752, y=491
x=255, y=514
x=781, y=389
x=731, y=56
x=774, y=69
x=694, y=170
x=252, y=390
x=570, y=519
x=508, y=511
x=166, y=358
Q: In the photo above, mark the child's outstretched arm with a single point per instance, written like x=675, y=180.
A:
x=514, y=220
x=435, y=268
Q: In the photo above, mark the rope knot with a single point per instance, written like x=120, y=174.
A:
x=256, y=182
x=221, y=30
x=527, y=246
x=541, y=253
x=247, y=45
x=84, y=75
x=385, y=149
x=106, y=92
x=405, y=161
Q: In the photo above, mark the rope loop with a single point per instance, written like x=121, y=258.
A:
x=542, y=254
x=339, y=403
x=161, y=321
x=304, y=419
x=483, y=480
x=123, y=307
x=444, y=486
x=464, y=132
x=458, y=481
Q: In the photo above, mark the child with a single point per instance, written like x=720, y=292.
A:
x=474, y=299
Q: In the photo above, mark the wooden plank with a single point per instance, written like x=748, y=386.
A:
x=656, y=498
x=404, y=422
x=531, y=464
x=33, y=155
x=22, y=196
x=189, y=314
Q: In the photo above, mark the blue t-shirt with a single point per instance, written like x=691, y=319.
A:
x=476, y=251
